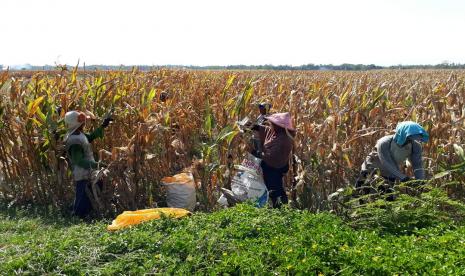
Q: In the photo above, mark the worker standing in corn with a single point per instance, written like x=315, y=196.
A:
x=81, y=157
x=392, y=151
x=277, y=140
x=264, y=109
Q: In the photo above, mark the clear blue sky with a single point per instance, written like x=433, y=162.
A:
x=217, y=32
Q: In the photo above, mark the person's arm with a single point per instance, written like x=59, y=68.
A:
x=97, y=133
x=261, y=131
x=417, y=162
x=385, y=158
x=256, y=144
x=76, y=154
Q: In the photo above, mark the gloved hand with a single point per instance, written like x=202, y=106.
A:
x=255, y=127
x=106, y=121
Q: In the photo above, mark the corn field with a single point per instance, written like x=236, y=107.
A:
x=167, y=120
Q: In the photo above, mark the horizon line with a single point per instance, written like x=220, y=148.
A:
x=25, y=65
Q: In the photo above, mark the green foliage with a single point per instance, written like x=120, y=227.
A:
x=239, y=240
x=407, y=214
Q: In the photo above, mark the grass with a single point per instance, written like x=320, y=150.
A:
x=239, y=240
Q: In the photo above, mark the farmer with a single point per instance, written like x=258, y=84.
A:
x=264, y=109
x=392, y=151
x=277, y=139
x=81, y=157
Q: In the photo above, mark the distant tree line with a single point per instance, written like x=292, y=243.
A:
x=320, y=67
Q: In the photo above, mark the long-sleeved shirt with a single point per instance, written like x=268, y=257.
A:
x=387, y=156
x=277, y=147
x=77, y=154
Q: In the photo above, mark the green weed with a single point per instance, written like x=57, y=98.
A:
x=239, y=240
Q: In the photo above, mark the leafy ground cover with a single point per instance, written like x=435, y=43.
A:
x=239, y=240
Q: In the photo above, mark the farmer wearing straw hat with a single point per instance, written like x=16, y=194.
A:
x=79, y=150
x=277, y=141
x=393, y=150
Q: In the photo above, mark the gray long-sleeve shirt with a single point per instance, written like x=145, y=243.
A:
x=387, y=156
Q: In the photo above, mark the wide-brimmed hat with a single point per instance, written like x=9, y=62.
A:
x=74, y=120
x=283, y=120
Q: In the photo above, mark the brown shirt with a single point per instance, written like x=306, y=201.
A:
x=277, y=147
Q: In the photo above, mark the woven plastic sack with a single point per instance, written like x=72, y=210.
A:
x=180, y=191
x=247, y=184
x=128, y=218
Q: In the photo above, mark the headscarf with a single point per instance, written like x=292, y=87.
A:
x=409, y=128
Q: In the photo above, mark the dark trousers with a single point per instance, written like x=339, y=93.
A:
x=82, y=205
x=274, y=183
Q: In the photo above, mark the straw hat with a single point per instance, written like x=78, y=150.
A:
x=281, y=119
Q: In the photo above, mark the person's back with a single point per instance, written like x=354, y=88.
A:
x=277, y=143
x=277, y=146
x=79, y=142
x=392, y=151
